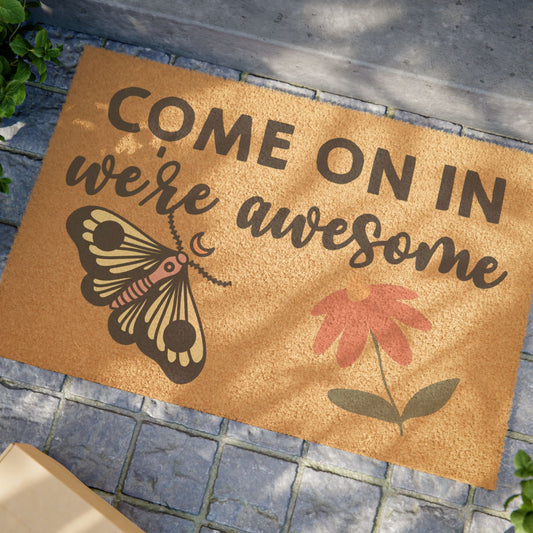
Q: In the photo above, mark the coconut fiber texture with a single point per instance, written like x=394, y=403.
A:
x=313, y=270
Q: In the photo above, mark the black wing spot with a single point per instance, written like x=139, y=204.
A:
x=108, y=235
x=179, y=336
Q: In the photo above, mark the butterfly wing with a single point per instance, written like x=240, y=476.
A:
x=113, y=252
x=164, y=322
x=166, y=326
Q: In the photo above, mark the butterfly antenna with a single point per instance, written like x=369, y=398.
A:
x=208, y=277
x=173, y=231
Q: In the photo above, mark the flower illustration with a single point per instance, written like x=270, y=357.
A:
x=360, y=309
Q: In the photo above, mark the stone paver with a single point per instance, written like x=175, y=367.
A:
x=154, y=522
x=251, y=491
x=31, y=374
x=521, y=419
x=349, y=461
x=402, y=514
x=280, y=86
x=329, y=503
x=25, y=416
x=138, y=51
x=264, y=438
x=484, y=523
x=419, y=120
x=208, y=68
x=108, y=395
x=32, y=125
x=23, y=172
x=92, y=443
x=183, y=415
x=170, y=468
x=352, y=103
x=444, y=489
x=508, y=484
x=7, y=236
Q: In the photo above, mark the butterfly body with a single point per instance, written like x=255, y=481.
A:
x=146, y=286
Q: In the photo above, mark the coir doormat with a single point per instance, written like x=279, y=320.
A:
x=316, y=271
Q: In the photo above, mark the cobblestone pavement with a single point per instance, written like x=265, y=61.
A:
x=171, y=469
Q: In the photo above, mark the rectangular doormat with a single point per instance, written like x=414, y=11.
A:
x=317, y=271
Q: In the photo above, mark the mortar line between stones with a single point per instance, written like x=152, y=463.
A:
x=468, y=509
x=57, y=414
x=213, y=473
x=378, y=519
x=129, y=456
x=9, y=223
x=295, y=489
x=15, y=151
x=45, y=87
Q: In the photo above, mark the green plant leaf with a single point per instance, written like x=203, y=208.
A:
x=364, y=403
x=4, y=185
x=7, y=108
x=527, y=524
x=430, y=399
x=41, y=68
x=5, y=69
x=523, y=464
x=41, y=39
x=19, y=45
x=33, y=4
x=11, y=11
x=23, y=72
x=509, y=500
x=517, y=518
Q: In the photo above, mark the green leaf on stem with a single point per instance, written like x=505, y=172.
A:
x=509, y=500
x=19, y=45
x=11, y=11
x=364, y=403
x=23, y=72
x=41, y=39
x=4, y=185
x=430, y=399
x=523, y=464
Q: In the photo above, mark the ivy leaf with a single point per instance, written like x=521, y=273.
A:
x=11, y=11
x=5, y=69
x=430, y=399
x=527, y=524
x=41, y=68
x=23, y=72
x=7, y=108
x=527, y=494
x=19, y=45
x=4, y=185
x=523, y=464
x=364, y=403
x=41, y=39
x=509, y=500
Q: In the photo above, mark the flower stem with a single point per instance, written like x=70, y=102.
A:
x=376, y=345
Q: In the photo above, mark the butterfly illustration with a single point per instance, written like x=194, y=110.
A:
x=147, y=287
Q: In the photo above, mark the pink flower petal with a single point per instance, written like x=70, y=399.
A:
x=391, y=292
x=353, y=340
x=331, y=302
x=330, y=329
x=391, y=338
x=406, y=314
